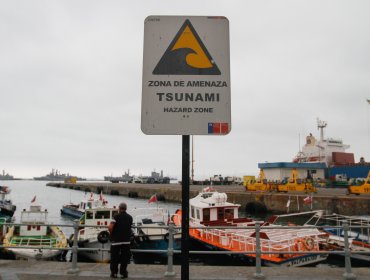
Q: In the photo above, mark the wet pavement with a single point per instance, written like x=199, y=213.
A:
x=29, y=270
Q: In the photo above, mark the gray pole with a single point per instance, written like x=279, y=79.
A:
x=170, y=272
x=258, y=274
x=348, y=275
x=74, y=269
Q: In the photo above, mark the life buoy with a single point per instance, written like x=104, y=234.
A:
x=299, y=245
x=309, y=243
x=103, y=237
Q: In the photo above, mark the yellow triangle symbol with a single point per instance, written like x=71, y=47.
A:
x=186, y=55
x=198, y=59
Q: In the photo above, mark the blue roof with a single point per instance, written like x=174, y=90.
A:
x=309, y=165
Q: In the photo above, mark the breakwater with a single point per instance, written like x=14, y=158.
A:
x=331, y=200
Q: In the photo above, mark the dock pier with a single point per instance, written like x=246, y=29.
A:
x=329, y=199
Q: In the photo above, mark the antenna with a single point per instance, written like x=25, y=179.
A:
x=321, y=125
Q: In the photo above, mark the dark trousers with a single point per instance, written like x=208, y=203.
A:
x=119, y=254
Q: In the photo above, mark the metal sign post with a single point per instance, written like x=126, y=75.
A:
x=185, y=208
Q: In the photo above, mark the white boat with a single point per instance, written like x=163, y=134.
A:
x=211, y=209
x=150, y=232
x=358, y=234
x=78, y=210
x=7, y=208
x=97, y=237
x=92, y=236
x=37, y=239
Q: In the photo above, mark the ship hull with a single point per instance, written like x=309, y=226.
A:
x=304, y=260
x=71, y=212
x=100, y=254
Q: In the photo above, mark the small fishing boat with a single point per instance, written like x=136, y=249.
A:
x=147, y=231
x=358, y=234
x=34, y=237
x=7, y=208
x=78, y=210
x=210, y=209
x=94, y=233
x=150, y=232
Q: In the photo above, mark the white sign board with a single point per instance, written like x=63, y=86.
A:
x=186, y=76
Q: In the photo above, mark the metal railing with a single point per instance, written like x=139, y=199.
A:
x=172, y=230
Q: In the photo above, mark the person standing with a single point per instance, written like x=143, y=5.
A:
x=120, y=232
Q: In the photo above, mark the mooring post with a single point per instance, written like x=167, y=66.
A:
x=348, y=275
x=170, y=272
x=258, y=274
x=74, y=269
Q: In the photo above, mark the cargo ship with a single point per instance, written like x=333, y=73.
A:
x=340, y=165
x=323, y=160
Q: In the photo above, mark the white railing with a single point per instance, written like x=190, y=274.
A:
x=210, y=232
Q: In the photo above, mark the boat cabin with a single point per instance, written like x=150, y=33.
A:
x=92, y=203
x=32, y=219
x=4, y=191
x=211, y=207
x=99, y=216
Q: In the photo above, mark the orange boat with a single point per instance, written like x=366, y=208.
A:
x=211, y=209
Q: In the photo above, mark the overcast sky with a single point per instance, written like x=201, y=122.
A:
x=71, y=73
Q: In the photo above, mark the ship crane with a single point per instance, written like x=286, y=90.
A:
x=321, y=125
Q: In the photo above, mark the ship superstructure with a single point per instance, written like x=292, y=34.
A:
x=329, y=151
x=339, y=165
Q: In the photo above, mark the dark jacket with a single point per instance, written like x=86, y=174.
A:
x=122, y=228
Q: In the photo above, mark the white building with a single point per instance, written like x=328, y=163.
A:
x=276, y=171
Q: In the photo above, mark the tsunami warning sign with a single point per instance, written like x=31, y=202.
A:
x=186, y=76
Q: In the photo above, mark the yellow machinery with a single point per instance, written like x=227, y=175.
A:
x=295, y=184
x=70, y=180
x=360, y=189
x=260, y=184
x=247, y=179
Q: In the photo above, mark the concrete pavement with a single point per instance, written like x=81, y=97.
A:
x=34, y=270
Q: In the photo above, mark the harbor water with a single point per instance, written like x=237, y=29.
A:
x=52, y=199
